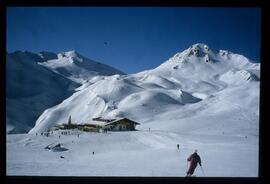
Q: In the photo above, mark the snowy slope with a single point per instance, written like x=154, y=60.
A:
x=78, y=68
x=35, y=82
x=191, y=85
x=139, y=153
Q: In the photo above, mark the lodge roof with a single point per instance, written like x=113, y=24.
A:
x=115, y=121
x=103, y=120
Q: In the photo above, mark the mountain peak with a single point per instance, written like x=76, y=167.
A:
x=200, y=46
x=201, y=57
x=198, y=49
x=69, y=54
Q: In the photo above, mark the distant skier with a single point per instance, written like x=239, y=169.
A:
x=177, y=146
x=194, y=159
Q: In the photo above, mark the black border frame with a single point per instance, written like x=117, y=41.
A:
x=264, y=91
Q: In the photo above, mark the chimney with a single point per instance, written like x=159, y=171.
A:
x=69, y=120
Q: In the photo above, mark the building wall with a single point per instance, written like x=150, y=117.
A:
x=121, y=125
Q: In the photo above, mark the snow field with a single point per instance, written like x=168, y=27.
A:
x=138, y=153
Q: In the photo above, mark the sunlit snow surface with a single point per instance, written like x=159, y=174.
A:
x=139, y=153
x=200, y=99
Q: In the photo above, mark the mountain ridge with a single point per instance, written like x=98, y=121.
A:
x=153, y=93
x=31, y=87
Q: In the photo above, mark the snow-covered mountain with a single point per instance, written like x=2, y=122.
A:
x=199, y=90
x=35, y=82
x=78, y=68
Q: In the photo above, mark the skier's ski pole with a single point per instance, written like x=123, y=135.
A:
x=187, y=167
x=202, y=170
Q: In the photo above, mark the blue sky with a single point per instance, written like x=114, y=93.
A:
x=138, y=38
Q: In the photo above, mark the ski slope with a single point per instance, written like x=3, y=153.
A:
x=139, y=153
